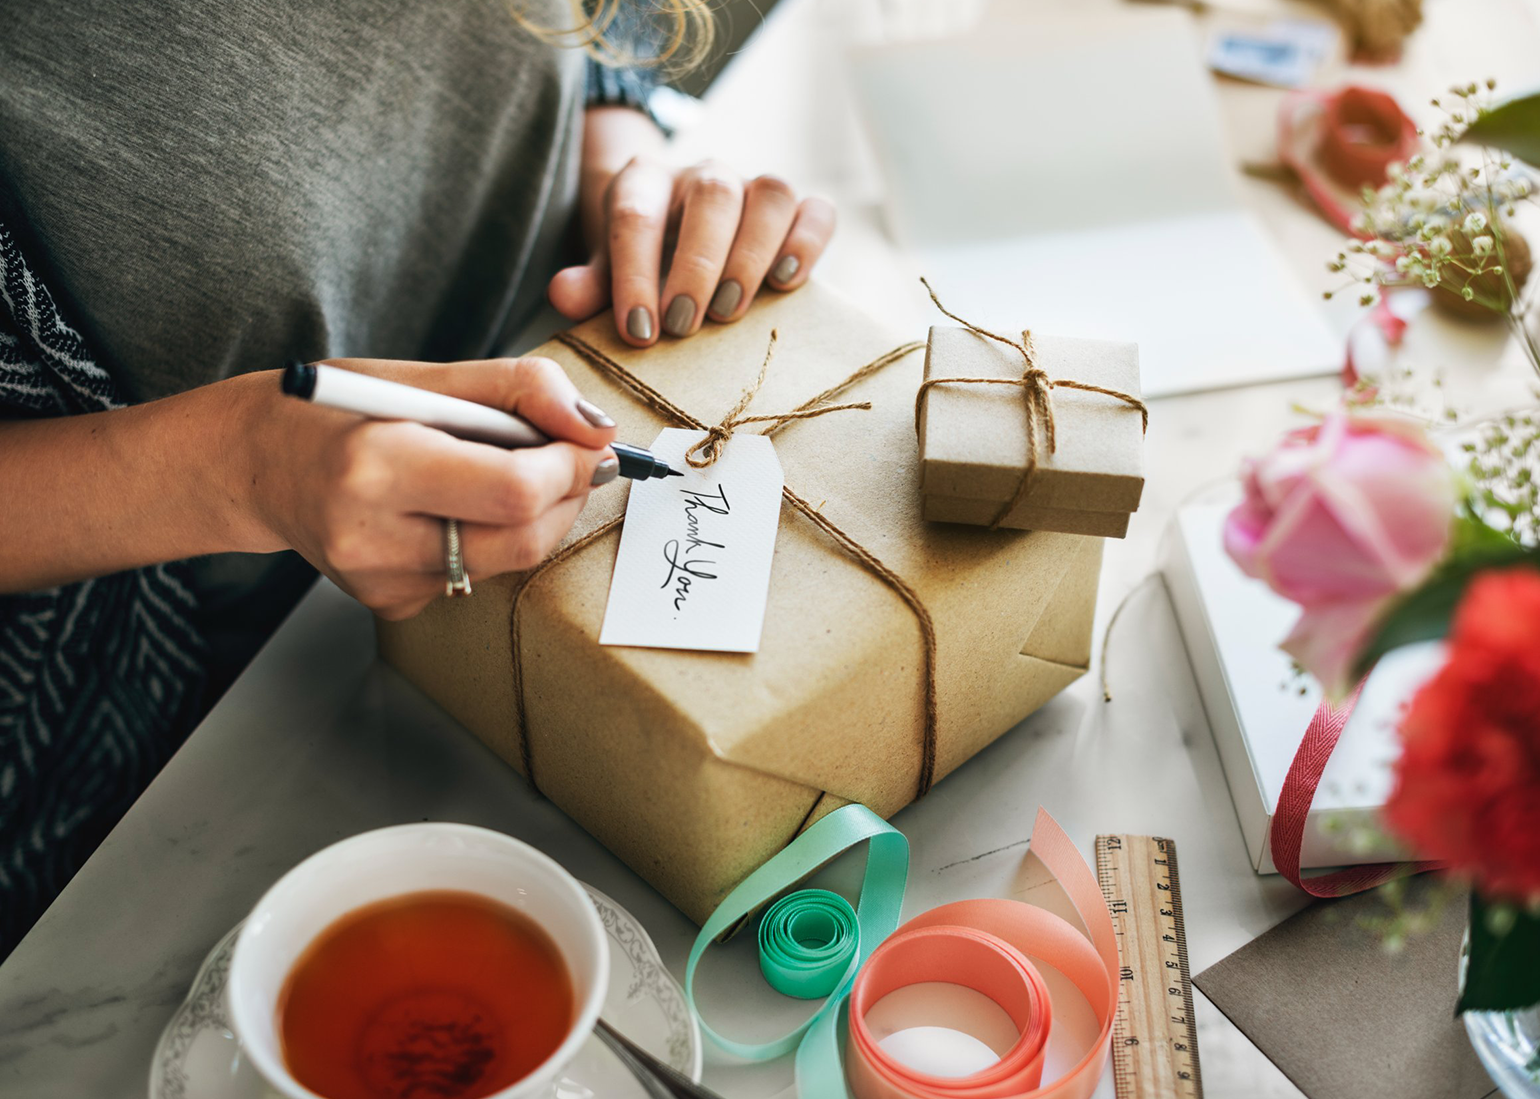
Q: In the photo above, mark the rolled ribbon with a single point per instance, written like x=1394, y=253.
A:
x=987, y=945
x=806, y=942
x=876, y=912
x=1365, y=131
x=1339, y=142
x=958, y=954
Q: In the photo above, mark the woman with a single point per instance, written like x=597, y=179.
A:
x=189, y=199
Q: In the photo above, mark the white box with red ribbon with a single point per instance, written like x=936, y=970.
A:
x=1259, y=705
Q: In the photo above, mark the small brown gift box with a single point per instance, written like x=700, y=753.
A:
x=973, y=436
x=696, y=767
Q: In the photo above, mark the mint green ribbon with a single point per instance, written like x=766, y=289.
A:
x=806, y=941
x=812, y=943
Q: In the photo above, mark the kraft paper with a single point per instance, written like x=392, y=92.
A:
x=973, y=438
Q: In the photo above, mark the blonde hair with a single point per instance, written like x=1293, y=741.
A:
x=690, y=31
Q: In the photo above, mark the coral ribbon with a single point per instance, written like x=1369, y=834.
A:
x=993, y=946
x=986, y=945
x=1287, y=834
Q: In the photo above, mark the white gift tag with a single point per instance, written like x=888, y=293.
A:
x=693, y=570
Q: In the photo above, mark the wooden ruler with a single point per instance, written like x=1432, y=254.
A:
x=1155, y=1036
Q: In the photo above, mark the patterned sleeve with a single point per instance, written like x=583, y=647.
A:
x=627, y=85
x=631, y=86
x=99, y=680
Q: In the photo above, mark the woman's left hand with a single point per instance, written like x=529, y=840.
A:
x=711, y=238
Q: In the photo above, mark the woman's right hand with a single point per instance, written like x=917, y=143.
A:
x=365, y=501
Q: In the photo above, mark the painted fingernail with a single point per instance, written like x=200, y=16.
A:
x=680, y=315
x=639, y=323
x=725, y=301
x=786, y=270
x=606, y=471
x=593, y=414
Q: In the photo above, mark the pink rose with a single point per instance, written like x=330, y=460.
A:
x=1340, y=518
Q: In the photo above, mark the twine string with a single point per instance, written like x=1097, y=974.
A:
x=813, y=407
x=1037, y=388
x=708, y=450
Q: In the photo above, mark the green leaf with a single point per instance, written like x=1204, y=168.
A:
x=1514, y=126
x=1504, y=971
x=1424, y=614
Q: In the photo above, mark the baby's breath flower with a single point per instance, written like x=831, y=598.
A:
x=1475, y=222
x=1481, y=246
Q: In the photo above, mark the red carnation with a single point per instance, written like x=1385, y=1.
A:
x=1468, y=781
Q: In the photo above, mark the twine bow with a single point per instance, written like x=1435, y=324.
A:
x=709, y=449
x=1037, y=388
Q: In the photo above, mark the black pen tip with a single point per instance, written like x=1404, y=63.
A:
x=674, y=472
x=298, y=379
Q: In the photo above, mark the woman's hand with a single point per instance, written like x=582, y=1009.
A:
x=365, y=501
x=711, y=238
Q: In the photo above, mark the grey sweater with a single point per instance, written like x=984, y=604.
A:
x=210, y=187
x=207, y=187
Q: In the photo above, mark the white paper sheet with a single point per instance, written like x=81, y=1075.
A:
x=693, y=571
x=1070, y=175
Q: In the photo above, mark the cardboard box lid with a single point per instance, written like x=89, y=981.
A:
x=1012, y=610
x=973, y=438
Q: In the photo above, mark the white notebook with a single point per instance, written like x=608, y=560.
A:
x=1070, y=175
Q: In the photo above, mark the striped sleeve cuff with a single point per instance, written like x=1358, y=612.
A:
x=622, y=87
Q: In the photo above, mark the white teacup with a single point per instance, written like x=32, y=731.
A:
x=389, y=862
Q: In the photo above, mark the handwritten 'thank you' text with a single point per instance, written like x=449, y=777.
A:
x=686, y=563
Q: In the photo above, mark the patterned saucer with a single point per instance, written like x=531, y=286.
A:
x=198, y=1056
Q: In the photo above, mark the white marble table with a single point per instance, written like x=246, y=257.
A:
x=318, y=740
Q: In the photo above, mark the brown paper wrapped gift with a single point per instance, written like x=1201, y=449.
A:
x=974, y=441
x=696, y=767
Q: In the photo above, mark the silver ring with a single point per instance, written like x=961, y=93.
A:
x=457, y=583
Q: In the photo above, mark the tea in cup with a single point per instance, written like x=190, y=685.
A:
x=422, y=960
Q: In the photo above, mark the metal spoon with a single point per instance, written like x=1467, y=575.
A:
x=661, y=1081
